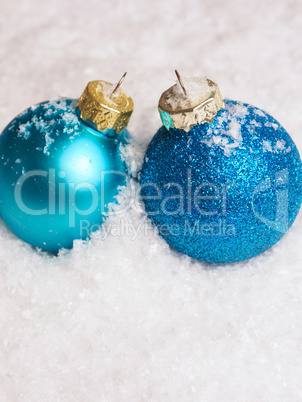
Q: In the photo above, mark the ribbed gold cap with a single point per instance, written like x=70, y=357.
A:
x=105, y=106
x=178, y=108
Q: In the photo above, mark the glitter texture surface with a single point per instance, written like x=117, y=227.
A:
x=225, y=191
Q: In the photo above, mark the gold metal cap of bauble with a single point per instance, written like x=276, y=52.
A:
x=186, y=104
x=105, y=106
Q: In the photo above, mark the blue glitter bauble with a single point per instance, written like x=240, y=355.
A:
x=57, y=175
x=225, y=191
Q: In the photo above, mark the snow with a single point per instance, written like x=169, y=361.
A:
x=269, y=124
x=106, y=91
x=24, y=131
x=125, y=318
x=197, y=90
x=230, y=138
x=71, y=119
x=277, y=147
x=267, y=146
x=48, y=142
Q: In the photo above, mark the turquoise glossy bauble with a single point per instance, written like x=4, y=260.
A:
x=57, y=174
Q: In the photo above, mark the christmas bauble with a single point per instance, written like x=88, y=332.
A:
x=61, y=165
x=226, y=189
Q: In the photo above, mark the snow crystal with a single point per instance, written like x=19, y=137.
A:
x=49, y=112
x=24, y=130
x=267, y=145
x=235, y=130
x=34, y=107
x=255, y=123
x=259, y=113
x=230, y=137
x=280, y=145
x=71, y=119
x=197, y=89
x=238, y=110
x=48, y=142
x=57, y=102
x=270, y=124
x=106, y=89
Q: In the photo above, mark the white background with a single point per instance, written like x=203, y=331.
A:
x=132, y=320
